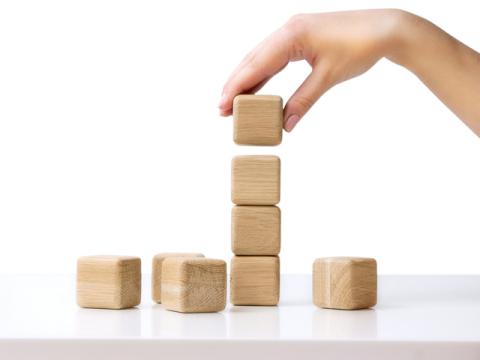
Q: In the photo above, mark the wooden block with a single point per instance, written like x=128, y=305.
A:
x=193, y=285
x=256, y=180
x=157, y=262
x=255, y=230
x=255, y=280
x=108, y=282
x=257, y=120
x=346, y=283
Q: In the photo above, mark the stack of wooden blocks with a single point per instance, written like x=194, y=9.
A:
x=256, y=220
x=190, y=282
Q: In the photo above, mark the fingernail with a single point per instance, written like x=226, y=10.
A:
x=291, y=122
x=223, y=99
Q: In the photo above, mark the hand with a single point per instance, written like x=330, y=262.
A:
x=338, y=46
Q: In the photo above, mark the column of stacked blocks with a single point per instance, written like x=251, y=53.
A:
x=256, y=220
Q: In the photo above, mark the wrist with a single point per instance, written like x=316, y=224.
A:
x=403, y=32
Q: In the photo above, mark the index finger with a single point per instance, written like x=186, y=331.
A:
x=266, y=60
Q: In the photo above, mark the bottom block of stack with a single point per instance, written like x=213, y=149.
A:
x=255, y=280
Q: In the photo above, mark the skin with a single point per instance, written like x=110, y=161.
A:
x=342, y=45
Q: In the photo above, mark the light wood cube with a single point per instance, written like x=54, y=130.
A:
x=255, y=230
x=157, y=263
x=257, y=120
x=256, y=180
x=193, y=285
x=346, y=283
x=255, y=280
x=108, y=282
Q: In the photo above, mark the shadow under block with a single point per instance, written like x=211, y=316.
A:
x=257, y=119
x=256, y=180
x=255, y=280
x=346, y=283
x=157, y=262
x=256, y=230
x=108, y=282
x=193, y=285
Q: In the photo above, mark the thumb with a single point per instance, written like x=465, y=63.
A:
x=304, y=97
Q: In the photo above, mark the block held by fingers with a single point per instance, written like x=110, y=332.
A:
x=257, y=120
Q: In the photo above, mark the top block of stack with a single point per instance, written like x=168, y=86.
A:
x=257, y=120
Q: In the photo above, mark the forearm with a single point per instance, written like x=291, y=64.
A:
x=450, y=69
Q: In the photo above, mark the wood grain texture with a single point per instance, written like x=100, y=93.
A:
x=256, y=230
x=257, y=119
x=193, y=285
x=255, y=280
x=346, y=283
x=256, y=180
x=108, y=281
x=157, y=263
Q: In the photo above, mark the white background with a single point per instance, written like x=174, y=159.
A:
x=110, y=141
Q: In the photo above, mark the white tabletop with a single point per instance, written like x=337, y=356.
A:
x=416, y=317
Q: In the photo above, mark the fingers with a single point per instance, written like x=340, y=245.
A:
x=253, y=90
x=270, y=57
x=314, y=86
